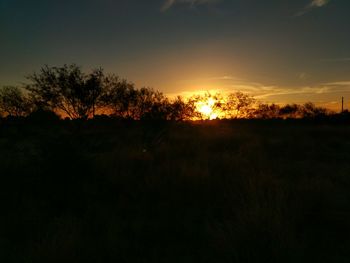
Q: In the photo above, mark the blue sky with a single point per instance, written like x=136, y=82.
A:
x=278, y=50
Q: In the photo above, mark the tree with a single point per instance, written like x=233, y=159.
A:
x=309, y=110
x=290, y=111
x=267, y=111
x=238, y=105
x=151, y=105
x=13, y=102
x=180, y=110
x=119, y=97
x=67, y=89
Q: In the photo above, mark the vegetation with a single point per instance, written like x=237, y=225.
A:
x=72, y=93
x=128, y=176
x=13, y=102
x=221, y=191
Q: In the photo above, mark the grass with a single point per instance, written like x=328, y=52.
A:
x=218, y=191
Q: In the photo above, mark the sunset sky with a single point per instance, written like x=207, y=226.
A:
x=277, y=50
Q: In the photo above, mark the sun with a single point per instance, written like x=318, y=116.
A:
x=206, y=108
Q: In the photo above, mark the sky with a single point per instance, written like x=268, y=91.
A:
x=280, y=51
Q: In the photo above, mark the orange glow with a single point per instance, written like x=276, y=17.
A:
x=206, y=108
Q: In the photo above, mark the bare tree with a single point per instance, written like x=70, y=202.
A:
x=290, y=111
x=238, y=105
x=13, y=102
x=67, y=89
x=180, y=110
x=151, y=104
x=267, y=111
x=119, y=97
x=310, y=110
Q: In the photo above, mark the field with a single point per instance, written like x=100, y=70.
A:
x=215, y=191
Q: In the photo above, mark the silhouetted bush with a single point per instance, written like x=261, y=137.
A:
x=78, y=95
x=67, y=89
x=180, y=110
x=267, y=111
x=43, y=116
x=119, y=97
x=239, y=105
x=72, y=93
x=290, y=111
x=309, y=110
x=13, y=102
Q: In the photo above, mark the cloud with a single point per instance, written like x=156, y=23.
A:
x=224, y=77
x=339, y=83
x=318, y=3
x=336, y=60
x=314, y=4
x=325, y=94
x=230, y=84
x=170, y=3
x=302, y=75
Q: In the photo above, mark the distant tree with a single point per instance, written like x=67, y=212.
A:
x=123, y=100
x=238, y=105
x=67, y=89
x=13, y=102
x=151, y=104
x=78, y=95
x=43, y=116
x=309, y=110
x=180, y=110
x=119, y=97
x=267, y=111
x=290, y=111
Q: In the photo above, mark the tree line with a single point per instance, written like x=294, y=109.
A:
x=72, y=93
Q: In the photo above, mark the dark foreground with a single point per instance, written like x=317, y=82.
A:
x=212, y=192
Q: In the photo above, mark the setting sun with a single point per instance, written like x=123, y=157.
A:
x=206, y=107
x=175, y=131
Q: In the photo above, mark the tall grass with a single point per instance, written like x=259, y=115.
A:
x=225, y=191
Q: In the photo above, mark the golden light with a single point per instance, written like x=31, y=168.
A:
x=206, y=107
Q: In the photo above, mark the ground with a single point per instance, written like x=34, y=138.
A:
x=215, y=191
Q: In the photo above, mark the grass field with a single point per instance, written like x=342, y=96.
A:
x=218, y=191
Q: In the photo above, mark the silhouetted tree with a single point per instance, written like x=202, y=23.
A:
x=180, y=110
x=43, y=116
x=67, y=89
x=290, y=111
x=79, y=95
x=238, y=105
x=123, y=100
x=151, y=104
x=309, y=110
x=195, y=103
x=267, y=111
x=119, y=97
x=13, y=102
